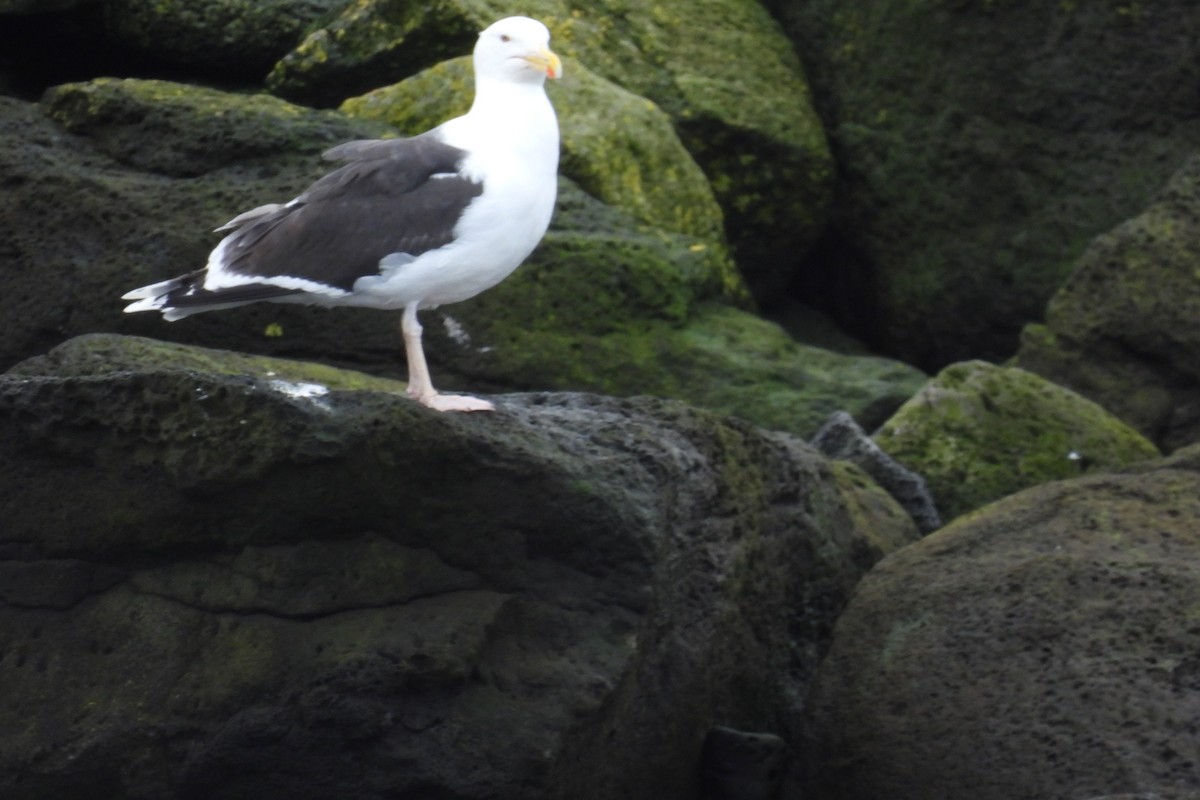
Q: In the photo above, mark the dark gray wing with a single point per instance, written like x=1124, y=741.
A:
x=395, y=196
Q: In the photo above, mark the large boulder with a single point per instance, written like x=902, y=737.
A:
x=721, y=70
x=1125, y=328
x=125, y=190
x=226, y=576
x=980, y=147
x=978, y=432
x=1044, y=646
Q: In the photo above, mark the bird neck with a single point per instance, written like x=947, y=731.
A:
x=516, y=113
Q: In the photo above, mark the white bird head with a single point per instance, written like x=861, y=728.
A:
x=516, y=49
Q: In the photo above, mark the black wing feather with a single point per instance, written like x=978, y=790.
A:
x=396, y=196
x=188, y=291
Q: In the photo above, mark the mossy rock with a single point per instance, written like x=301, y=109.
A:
x=102, y=354
x=978, y=432
x=981, y=146
x=618, y=146
x=183, y=130
x=376, y=42
x=227, y=37
x=719, y=358
x=1124, y=330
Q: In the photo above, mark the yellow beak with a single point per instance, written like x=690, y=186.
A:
x=547, y=62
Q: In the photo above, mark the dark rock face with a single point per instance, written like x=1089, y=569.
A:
x=978, y=432
x=1045, y=646
x=227, y=577
x=225, y=37
x=980, y=147
x=736, y=765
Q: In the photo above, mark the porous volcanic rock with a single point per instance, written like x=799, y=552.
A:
x=1043, y=646
x=226, y=576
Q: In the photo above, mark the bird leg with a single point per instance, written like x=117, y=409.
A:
x=420, y=385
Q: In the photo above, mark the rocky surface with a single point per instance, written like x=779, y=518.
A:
x=1045, y=646
x=981, y=146
x=1124, y=329
x=978, y=432
x=226, y=575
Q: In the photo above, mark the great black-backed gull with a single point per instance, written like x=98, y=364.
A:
x=406, y=223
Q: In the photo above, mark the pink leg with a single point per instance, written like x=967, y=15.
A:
x=420, y=385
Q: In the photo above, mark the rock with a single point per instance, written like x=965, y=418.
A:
x=1123, y=329
x=226, y=37
x=719, y=358
x=735, y=765
x=720, y=69
x=978, y=432
x=980, y=147
x=844, y=439
x=103, y=211
x=282, y=578
x=1044, y=646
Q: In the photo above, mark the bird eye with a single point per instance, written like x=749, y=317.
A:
x=504, y=37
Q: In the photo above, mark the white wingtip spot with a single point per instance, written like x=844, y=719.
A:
x=147, y=304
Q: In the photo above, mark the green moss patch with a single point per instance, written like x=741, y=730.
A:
x=979, y=432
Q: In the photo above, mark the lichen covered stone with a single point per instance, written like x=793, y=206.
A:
x=184, y=130
x=1124, y=330
x=978, y=432
x=981, y=146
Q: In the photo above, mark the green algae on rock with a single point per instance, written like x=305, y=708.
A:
x=225, y=37
x=183, y=130
x=98, y=354
x=1124, y=330
x=719, y=358
x=329, y=586
x=978, y=432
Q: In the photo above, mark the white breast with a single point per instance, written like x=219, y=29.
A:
x=512, y=138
